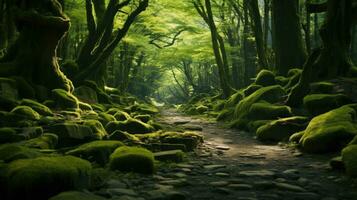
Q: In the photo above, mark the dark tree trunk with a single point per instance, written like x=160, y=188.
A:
x=289, y=50
x=266, y=23
x=354, y=45
x=33, y=55
x=333, y=59
x=308, y=32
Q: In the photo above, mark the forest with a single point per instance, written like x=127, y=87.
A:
x=176, y=100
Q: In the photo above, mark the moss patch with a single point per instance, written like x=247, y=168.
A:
x=26, y=112
x=38, y=107
x=96, y=151
x=41, y=178
x=265, y=110
x=330, y=131
x=64, y=99
x=76, y=195
x=132, y=126
x=97, y=128
x=321, y=87
x=132, y=159
x=8, y=135
x=121, y=115
x=46, y=141
x=86, y=94
x=265, y=78
x=320, y=103
x=234, y=100
x=349, y=158
x=251, y=89
x=10, y=152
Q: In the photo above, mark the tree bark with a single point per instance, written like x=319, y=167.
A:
x=289, y=50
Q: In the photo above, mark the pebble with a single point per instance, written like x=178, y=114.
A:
x=290, y=187
x=214, y=167
x=177, y=182
x=240, y=186
x=122, y=191
x=225, y=148
x=221, y=174
x=219, y=183
x=260, y=173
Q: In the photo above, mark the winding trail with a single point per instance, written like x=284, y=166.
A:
x=233, y=165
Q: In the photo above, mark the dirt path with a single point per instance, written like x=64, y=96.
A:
x=233, y=165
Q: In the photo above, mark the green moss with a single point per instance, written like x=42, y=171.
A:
x=86, y=94
x=76, y=195
x=265, y=78
x=201, y=109
x=38, y=107
x=251, y=89
x=102, y=96
x=8, y=135
x=132, y=159
x=294, y=71
x=170, y=156
x=97, y=128
x=105, y=118
x=271, y=94
x=25, y=89
x=132, y=126
x=64, y=99
x=8, y=89
x=321, y=87
x=46, y=141
x=125, y=137
x=121, y=115
x=41, y=178
x=143, y=109
x=143, y=118
x=26, y=112
x=11, y=152
x=225, y=114
x=281, y=80
x=281, y=129
x=234, y=99
x=349, y=158
x=330, y=131
x=320, y=103
x=84, y=106
x=296, y=137
x=96, y=151
x=266, y=111
x=254, y=125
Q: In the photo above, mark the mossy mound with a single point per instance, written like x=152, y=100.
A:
x=76, y=195
x=8, y=135
x=11, y=152
x=86, y=94
x=321, y=87
x=41, y=178
x=201, y=109
x=8, y=89
x=85, y=106
x=97, y=128
x=124, y=137
x=26, y=112
x=225, y=114
x=169, y=156
x=281, y=129
x=143, y=118
x=46, y=141
x=318, y=104
x=72, y=134
x=64, y=100
x=132, y=126
x=234, y=100
x=265, y=110
x=254, y=125
x=265, y=78
x=330, y=131
x=121, y=115
x=38, y=107
x=96, y=151
x=251, y=89
x=271, y=94
x=281, y=80
x=105, y=118
x=143, y=109
x=296, y=137
x=132, y=159
x=349, y=159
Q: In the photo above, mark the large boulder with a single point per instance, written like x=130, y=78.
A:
x=330, y=131
x=46, y=141
x=318, y=104
x=281, y=129
x=132, y=159
x=349, y=159
x=38, y=107
x=96, y=151
x=266, y=111
x=43, y=177
x=64, y=100
x=26, y=112
x=11, y=152
x=265, y=78
x=132, y=126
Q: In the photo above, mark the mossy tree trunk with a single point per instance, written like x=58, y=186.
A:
x=333, y=58
x=102, y=39
x=205, y=12
x=288, y=47
x=41, y=24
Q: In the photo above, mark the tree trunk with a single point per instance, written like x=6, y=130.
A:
x=289, y=50
x=333, y=59
x=266, y=23
x=308, y=32
x=33, y=55
x=258, y=33
x=354, y=45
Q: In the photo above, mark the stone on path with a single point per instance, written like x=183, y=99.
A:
x=260, y=173
x=290, y=187
x=222, y=147
x=219, y=183
x=214, y=167
x=240, y=186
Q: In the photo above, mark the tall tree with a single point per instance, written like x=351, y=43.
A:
x=288, y=43
x=205, y=11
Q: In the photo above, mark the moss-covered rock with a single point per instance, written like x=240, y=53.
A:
x=41, y=178
x=330, y=131
x=46, y=141
x=169, y=156
x=38, y=107
x=281, y=129
x=266, y=111
x=296, y=137
x=349, y=158
x=11, y=152
x=281, y=80
x=105, y=118
x=86, y=94
x=26, y=112
x=102, y=96
x=132, y=159
x=143, y=118
x=96, y=151
x=121, y=115
x=271, y=94
x=201, y=109
x=132, y=126
x=8, y=135
x=321, y=87
x=71, y=133
x=76, y=195
x=124, y=137
x=233, y=100
x=320, y=103
x=30, y=132
x=143, y=109
x=251, y=89
x=225, y=114
x=84, y=106
x=64, y=99
x=97, y=128
x=8, y=89
x=265, y=78
x=254, y=125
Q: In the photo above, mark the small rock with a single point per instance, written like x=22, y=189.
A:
x=214, y=167
x=259, y=173
x=219, y=183
x=122, y=191
x=177, y=182
x=180, y=122
x=307, y=196
x=192, y=127
x=286, y=186
x=185, y=165
x=222, y=191
x=263, y=185
x=240, y=186
x=221, y=174
x=112, y=183
x=225, y=148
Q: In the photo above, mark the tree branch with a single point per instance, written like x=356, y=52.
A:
x=90, y=18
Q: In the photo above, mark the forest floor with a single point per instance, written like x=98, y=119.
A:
x=231, y=164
